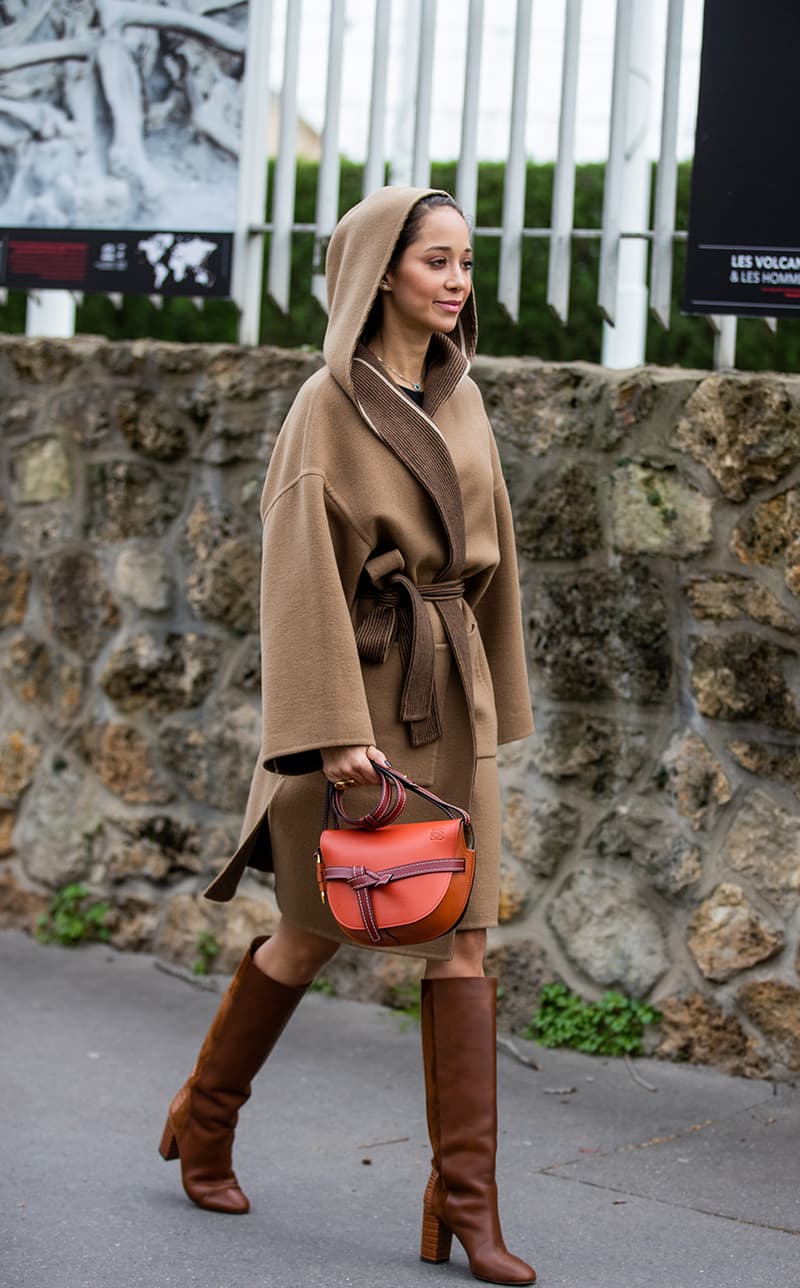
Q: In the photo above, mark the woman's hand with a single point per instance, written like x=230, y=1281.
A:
x=354, y=763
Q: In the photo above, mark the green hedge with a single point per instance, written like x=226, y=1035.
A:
x=688, y=343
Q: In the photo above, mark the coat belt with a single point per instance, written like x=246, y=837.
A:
x=399, y=613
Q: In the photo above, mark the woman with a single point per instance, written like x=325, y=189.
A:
x=390, y=628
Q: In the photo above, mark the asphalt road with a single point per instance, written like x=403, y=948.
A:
x=604, y=1184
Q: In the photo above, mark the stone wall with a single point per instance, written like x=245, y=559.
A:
x=652, y=826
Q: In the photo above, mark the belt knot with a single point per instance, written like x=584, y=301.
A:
x=399, y=613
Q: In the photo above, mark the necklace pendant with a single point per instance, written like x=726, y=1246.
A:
x=418, y=389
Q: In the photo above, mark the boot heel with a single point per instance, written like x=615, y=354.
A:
x=169, y=1142
x=436, y=1239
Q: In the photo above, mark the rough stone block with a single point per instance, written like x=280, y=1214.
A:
x=775, y=1008
x=214, y=763
x=143, y=577
x=131, y=499
x=521, y=969
x=8, y=818
x=653, y=512
x=61, y=838
x=133, y=920
x=609, y=932
x=44, y=677
x=771, y=536
x=591, y=752
x=513, y=894
x=639, y=835
x=536, y=407
x=538, y=833
x=223, y=589
x=695, y=1028
x=41, y=471
x=726, y=598
x=151, y=424
x=390, y=979
x=161, y=673
x=744, y=429
x=770, y=760
x=82, y=414
x=728, y=935
x=124, y=762
x=19, y=759
x=77, y=602
x=764, y=845
x=694, y=779
x=597, y=633
x=15, y=577
x=20, y=907
x=740, y=677
x=157, y=846
x=233, y=925
x=560, y=518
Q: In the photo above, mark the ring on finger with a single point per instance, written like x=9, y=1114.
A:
x=341, y=783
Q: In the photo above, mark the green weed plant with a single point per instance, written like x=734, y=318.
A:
x=207, y=952
x=73, y=917
x=613, y=1026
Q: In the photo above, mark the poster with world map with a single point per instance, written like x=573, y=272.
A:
x=120, y=132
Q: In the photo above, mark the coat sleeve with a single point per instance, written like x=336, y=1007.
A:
x=312, y=688
x=499, y=616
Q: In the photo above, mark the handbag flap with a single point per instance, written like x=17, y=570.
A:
x=402, y=902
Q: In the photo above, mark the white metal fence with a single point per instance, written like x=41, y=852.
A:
x=625, y=288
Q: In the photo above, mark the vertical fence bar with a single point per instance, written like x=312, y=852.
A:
x=328, y=182
x=50, y=313
x=724, y=340
x=467, y=173
x=248, y=249
x=625, y=343
x=280, y=251
x=402, y=135
x=612, y=188
x=376, y=146
x=514, y=184
x=564, y=176
x=667, y=177
x=421, y=165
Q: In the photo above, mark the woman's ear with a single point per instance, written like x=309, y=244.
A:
x=385, y=285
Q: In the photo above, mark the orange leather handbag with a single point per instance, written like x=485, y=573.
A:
x=389, y=883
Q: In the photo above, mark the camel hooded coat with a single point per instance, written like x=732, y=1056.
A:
x=390, y=607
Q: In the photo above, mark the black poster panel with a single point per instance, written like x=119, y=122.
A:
x=134, y=263
x=743, y=254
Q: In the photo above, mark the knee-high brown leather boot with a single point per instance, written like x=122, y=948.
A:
x=202, y=1117
x=460, y=1058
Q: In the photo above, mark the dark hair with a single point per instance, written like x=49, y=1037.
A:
x=414, y=219
x=408, y=234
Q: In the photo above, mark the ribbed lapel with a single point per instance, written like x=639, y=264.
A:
x=411, y=433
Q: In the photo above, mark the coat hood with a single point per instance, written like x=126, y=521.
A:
x=358, y=255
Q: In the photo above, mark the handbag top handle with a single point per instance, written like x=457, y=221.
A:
x=394, y=787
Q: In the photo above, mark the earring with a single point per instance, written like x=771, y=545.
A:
x=385, y=286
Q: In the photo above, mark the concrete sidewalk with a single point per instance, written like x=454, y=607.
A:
x=606, y=1184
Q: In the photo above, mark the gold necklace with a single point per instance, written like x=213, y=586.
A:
x=415, y=385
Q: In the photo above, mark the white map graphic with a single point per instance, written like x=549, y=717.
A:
x=183, y=257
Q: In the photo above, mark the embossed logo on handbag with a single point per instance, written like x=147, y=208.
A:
x=437, y=834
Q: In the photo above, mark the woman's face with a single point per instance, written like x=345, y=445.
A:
x=431, y=283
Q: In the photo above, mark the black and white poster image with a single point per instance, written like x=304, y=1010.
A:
x=123, y=115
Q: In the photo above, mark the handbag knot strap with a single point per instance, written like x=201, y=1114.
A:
x=362, y=880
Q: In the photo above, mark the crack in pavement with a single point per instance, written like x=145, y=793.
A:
x=656, y=1140
x=671, y=1203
